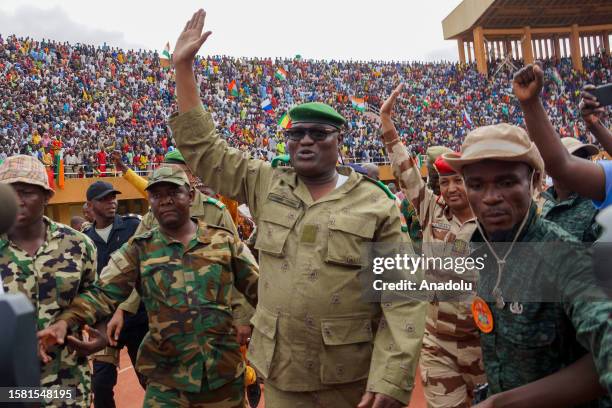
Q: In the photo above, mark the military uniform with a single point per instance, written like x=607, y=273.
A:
x=190, y=352
x=212, y=212
x=545, y=337
x=314, y=336
x=63, y=267
x=451, y=359
x=545, y=309
x=575, y=214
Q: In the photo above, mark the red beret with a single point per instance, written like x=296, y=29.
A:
x=442, y=167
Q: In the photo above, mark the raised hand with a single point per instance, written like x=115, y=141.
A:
x=387, y=107
x=52, y=335
x=190, y=40
x=528, y=82
x=590, y=108
x=118, y=161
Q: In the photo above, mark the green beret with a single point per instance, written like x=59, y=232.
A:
x=433, y=152
x=174, y=157
x=316, y=112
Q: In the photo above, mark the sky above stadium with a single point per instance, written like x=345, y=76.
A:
x=319, y=29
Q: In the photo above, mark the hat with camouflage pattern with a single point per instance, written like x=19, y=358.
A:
x=24, y=169
x=168, y=174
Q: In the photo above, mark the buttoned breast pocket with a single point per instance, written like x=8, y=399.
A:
x=273, y=228
x=66, y=286
x=156, y=279
x=209, y=273
x=346, y=237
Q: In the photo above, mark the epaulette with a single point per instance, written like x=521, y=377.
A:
x=382, y=186
x=214, y=201
x=221, y=228
x=284, y=159
x=143, y=235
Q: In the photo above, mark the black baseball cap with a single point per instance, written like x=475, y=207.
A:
x=99, y=190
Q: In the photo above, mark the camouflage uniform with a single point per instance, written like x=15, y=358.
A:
x=451, y=359
x=545, y=337
x=63, y=267
x=575, y=214
x=190, y=350
x=313, y=332
x=412, y=221
x=212, y=212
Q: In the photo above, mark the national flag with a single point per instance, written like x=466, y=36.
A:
x=281, y=74
x=59, y=168
x=285, y=121
x=233, y=88
x=467, y=119
x=164, y=57
x=358, y=103
x=266, y=105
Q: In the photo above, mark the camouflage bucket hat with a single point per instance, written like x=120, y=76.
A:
x=24, y=169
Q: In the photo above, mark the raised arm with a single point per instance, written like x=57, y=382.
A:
x=227, y=170
x=592, y=113
x=404, y=167
x=582, y=176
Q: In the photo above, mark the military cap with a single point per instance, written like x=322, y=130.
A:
x=24, y=169
x=433, y=152
x=174, y=157
x=168, y=174
x=573, y=145
x=316, y=112
x=496, y=142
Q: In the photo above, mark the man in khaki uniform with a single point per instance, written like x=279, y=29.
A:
x=204, y=208
x=451, y=360
x=315, y=341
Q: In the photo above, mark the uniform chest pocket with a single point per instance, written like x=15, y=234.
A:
x=346, y=236
x=273, y=228
x=533, y=329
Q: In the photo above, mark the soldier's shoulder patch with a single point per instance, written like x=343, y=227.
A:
x=380, y=185
x=144, y=235
x=215, y=202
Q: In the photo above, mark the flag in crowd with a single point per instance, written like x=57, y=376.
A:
x=285, y=121
x=281, y=74
x=233, y=88
x=358, y=103
x=266, y=105
x=467, y=119
x=164, y=57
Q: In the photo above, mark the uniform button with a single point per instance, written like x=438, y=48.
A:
x=309, y=364
x=309, y=322
x=340, y=370
x=409, y=327
x=327, y=332
x=332, y=221
x=335, y=299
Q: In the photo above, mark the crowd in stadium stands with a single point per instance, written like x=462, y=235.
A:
x=90, y=100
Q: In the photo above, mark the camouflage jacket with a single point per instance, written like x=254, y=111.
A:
x=312, y=328
x=187, y=294
x=212, y=212
x=63, y=267
x=576, y=215
x=531, y=339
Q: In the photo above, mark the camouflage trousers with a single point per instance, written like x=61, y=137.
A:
x=450, y=370
x=340, y=396
x=231, y=395
x=67, y=371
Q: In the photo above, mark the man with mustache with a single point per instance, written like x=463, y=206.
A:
x=315, y=341
x=451, y=359
x=541, y=314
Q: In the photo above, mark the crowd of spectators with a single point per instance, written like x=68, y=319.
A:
x=87, y=101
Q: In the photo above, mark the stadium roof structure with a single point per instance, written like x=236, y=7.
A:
x=494, y=29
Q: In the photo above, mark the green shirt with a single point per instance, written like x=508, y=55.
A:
x=575, y=214
x=546, y=336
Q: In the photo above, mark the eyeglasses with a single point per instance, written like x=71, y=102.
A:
x=316, y=134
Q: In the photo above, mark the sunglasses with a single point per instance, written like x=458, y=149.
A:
x=316, y=134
